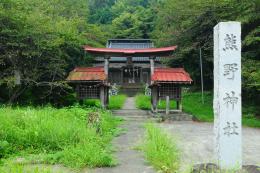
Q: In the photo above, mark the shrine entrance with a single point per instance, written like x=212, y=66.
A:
x=131, y=75
x=165, y=83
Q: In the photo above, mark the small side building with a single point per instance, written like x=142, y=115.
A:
x=168, y=82
x=91, y=83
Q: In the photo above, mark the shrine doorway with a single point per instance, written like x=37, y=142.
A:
x=131, y=75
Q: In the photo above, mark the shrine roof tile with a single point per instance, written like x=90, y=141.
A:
x=87, y=74
x=175, y=75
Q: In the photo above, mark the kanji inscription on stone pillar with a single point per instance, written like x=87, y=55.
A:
x=227, y=95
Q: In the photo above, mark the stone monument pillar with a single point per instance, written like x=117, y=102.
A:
x=227, y=95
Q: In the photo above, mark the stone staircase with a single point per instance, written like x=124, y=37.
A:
x=142, y=115
x=129, y=112
x=133, y=114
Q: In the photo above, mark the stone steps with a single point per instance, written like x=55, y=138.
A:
x=141, y=115
x=130, y=112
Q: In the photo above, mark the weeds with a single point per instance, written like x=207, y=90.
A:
x=58, y=135
x=160, y=150
x=144, y=102
x=115, y=102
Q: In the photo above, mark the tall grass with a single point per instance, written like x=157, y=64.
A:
x=160, y=150
x=204, y=112
x=20, y=168
x=115, y=102
x=144, y=102
x=192, y=104
x=60, y=134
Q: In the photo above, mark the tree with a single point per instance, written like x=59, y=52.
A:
x=41, y=41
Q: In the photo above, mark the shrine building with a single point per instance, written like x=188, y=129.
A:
x=130, y=64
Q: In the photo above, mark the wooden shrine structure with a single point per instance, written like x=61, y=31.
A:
x=94, y=82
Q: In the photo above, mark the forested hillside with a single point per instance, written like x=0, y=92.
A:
x=40, y=40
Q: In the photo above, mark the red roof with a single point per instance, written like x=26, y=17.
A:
x=175, y=75
x=87, y=74
x=165, y=51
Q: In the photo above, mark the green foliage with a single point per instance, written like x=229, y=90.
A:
x=20, y=168
x=192, y=104
x=58, y=135
x=40, y=42
x=189, y=24
x=144, y=102
x=116, y=102
x=160, y=150
x=92, y=103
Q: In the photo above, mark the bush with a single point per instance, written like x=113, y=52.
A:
x=60, y=134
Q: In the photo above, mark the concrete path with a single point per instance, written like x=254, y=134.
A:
x=129, y=159
x=129, y=103
x=196, y=142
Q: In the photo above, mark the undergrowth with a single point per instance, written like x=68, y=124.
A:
x=144, y=102
x=160, y=150
x=21, y=168
x=192, y=104
x=115, y=102
x=57, y=135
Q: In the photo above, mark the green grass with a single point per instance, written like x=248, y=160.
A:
x=57, y=136
x=202, y=112
x=21, y=168
x=160, y=150
x=192, y=104
x=115, y=102
x=144, y=102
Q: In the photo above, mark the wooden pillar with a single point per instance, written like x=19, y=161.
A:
x=167, y=105
x=102, y=96
x=152, y=58
x=122, y=75
x=107, y=97
x=154, y=98
x=180, y=102
x=179, y=99
x=141, y=75
x=106, y=66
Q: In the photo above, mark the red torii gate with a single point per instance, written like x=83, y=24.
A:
x=156, y=74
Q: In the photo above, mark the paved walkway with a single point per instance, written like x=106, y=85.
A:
x=129, y=103
x=196, y=142
x=129, y=159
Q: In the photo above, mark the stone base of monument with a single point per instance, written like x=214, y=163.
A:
x=213, y=168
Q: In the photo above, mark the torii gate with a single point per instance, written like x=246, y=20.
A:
x=157, y=79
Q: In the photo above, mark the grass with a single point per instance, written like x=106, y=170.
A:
x=115, y=102
x=202, y=112
x=57, y=136
x=160, y=150
x=21, y=168
x=144, y=102
x=192, y=104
